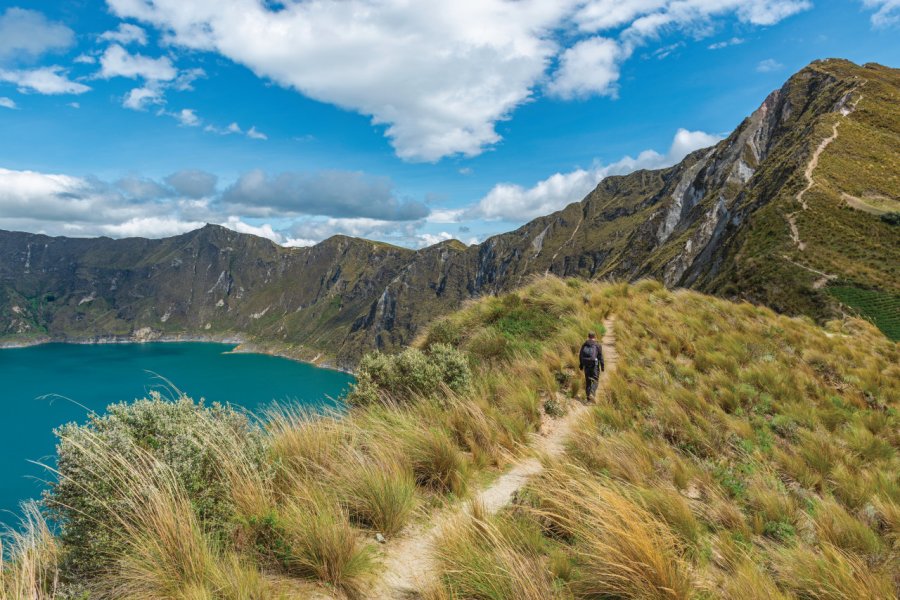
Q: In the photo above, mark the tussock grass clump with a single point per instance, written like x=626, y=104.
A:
x=318, y=541
x=379, y=494
x=830, y=574
x=29, y=559
x=437, y=462
x=840, y=529
x=748, y=581
x=490, y=559
x=622, y=550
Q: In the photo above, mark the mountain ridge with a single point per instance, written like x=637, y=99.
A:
x=723, y=220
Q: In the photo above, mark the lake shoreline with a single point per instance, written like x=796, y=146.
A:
x=241, y=344
x=48, y=385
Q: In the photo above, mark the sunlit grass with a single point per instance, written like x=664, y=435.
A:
x=732, y=449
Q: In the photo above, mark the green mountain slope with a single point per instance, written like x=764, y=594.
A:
x=787, y=211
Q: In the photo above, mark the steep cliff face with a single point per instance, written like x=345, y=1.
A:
x=763, y=215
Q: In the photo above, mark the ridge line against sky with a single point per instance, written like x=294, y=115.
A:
x=408, y=122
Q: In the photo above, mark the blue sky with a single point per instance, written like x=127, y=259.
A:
x=405, y=121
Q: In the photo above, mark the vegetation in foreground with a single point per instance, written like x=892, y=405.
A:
x=735, y=453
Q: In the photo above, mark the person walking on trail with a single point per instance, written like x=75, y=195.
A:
x=590, y=358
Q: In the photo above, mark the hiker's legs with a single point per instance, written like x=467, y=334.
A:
x=590, y=382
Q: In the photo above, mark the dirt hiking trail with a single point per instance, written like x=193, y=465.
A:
x=409, y=564
x=846, y=109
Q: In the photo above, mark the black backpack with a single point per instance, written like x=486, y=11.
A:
x=588, y=355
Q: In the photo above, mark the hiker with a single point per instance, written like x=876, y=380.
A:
x=590, y=358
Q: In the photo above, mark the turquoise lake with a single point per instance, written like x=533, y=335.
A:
x=42, y=387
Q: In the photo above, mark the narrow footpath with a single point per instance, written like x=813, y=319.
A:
x=409, y=564
x=845, y=111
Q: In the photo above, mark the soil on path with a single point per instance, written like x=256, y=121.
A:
x=408, y=560
x=845, y=111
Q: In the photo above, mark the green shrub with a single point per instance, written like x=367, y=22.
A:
x=83, y=500
x=892, y=218
x=410, y=374
x=444, y=331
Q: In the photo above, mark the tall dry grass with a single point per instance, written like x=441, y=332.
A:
x=488, y=559
x=733, y=449
x=29, y=559
x=161, y=550
x=739, y=438
x=622, y=550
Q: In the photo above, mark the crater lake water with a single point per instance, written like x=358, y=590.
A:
x=43, y=387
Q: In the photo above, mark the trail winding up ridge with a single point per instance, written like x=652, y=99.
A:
x=409, y=563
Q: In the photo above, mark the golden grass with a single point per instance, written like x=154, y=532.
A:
x=29, y=558
x=736, y=438
x=319, y=542
x=487, y=559
x=733, y=451
x=831, y=574
x=622, y=550
x=162, y=550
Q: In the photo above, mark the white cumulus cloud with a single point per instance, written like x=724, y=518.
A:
x=590, y=67
x=516, y=203
x=187, y=117
x=290, y=209
x=769, y=65
x=887, y=12
x=438, y=76
x=127, y=33
x=139, y=98
x=735, y=41
x=254, y=133
x=59, y=204
x=118, y=62
x=7, y=102
x=44, y=80
x=152, y=227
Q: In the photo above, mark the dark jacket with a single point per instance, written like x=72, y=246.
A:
x=596, y=351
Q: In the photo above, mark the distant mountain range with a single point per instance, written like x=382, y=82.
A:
x=797, y=209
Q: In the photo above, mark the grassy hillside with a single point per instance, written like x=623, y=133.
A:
x=836, y=244
x=734, y=453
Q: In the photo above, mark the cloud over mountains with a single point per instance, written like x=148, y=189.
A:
x=291, y=208
x=438, y=76
x=315, y=205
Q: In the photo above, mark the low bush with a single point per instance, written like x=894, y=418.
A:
x=94, y=460
x=410, y=374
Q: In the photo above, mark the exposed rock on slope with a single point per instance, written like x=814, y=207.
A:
x=720, y=221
